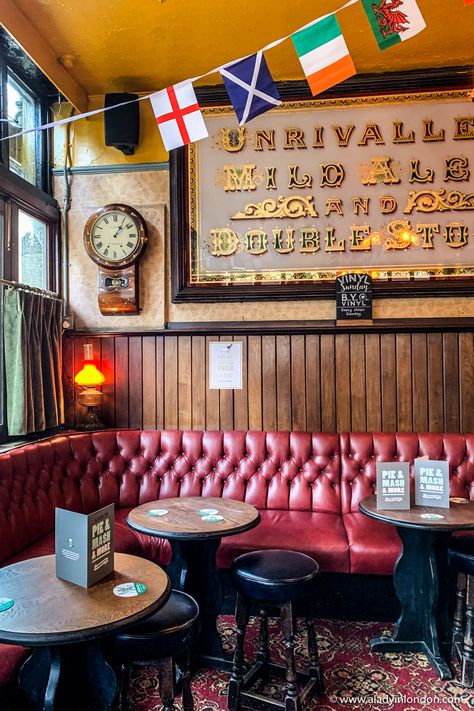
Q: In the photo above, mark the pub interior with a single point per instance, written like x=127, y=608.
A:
x=236, y=363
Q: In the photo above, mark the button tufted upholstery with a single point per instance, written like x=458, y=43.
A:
x=307, y=487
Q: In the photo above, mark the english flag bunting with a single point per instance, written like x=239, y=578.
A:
x=250, y=86
x=393, y=21
x=178, y=115
x=323, y=54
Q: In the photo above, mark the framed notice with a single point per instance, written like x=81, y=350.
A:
x=373, y=178
x=84, y=545
x=393, y=485
x=431, y=483
x=225, y=365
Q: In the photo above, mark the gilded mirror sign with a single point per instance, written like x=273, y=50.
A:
x=318, y=188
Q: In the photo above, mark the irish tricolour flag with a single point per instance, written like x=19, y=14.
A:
x=393, y=21
x=323, y=54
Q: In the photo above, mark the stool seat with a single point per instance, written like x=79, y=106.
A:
x=461, y=553
x=275, y=575
x=165, y=641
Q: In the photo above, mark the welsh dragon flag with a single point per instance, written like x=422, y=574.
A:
x=393, y=21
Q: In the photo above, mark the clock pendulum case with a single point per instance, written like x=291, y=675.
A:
x=115, y=237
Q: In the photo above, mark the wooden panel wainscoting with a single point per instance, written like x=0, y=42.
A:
x=307, y=376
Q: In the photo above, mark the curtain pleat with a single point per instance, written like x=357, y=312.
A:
x=32, y=338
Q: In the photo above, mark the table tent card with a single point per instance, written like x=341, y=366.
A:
x=393, y=485
x=431, y=483
x=84, y=545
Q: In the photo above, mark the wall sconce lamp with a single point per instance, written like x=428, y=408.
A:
x=89, y=377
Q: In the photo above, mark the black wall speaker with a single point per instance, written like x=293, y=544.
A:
x=122, y=125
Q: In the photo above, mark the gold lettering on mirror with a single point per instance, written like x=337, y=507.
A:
x=332, y=175
x=224, y=242
x=331, y=244
x=427, y=231
x=371, y=133
x=318, y=137
x=464, y=128
x=295, y=182
x=232, y=139
x=457, y=169
x=309, y=240
x=271, y=171
x=343, y=135
x=279, y=242
x=388, y=204
x=379, y=171
x=428, y=133
x=265, y=137
x=294, y=138
x=456, y=235
x=257, y=242
x=334, y=205
x=240, y=177
x=360, y=238
x=294, y=206
x=399, y=137
x=360, y=204
x=416, y=176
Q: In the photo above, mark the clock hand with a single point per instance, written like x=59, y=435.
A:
x=121, y=227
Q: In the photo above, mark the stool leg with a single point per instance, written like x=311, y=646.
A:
x=467, y=677
x=242, y=613
x=262, y=654
x=184, y=664
x=124, y=678
x=458, y=623
x=292, y=699
x=315, y=671
x=167, y=679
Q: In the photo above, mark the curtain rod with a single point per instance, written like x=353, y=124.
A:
x=30, y=289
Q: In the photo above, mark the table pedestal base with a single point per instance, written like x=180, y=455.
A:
x=75, y=677
x=193, y=569
x=423, y=584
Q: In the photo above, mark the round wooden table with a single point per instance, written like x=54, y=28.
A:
x=64, y=622
x=422, y=579
x=194, y=543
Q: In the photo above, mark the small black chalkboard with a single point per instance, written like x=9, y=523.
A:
x=354, y=297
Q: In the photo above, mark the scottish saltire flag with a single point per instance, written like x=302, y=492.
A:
x=250, y=86
x=323, y=54
x=178, y=115
x=393, y=21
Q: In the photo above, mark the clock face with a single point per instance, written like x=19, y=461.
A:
x=115, y=236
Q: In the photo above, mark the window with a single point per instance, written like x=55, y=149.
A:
x=33, y=250
x=22, y=114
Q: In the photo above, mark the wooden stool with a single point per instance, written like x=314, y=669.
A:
x=163, y=640
x=461, y=557
x=274, y=578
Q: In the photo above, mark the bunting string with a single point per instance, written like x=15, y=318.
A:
x=176, y=109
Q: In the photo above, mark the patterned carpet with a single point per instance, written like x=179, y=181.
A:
x=354, y=678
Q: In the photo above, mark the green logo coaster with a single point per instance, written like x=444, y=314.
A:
x=6, y=603
x=212, y=518
x=157, y=512
x=129, y=589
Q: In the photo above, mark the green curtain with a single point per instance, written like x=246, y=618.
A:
x=32, y=340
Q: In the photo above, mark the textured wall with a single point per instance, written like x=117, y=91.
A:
x=148, y=192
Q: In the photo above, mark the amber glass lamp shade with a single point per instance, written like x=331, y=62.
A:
x=89, y=377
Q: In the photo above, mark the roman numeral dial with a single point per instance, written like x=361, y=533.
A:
x=115, y=236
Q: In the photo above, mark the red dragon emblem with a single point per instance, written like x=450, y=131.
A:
x=390, y=20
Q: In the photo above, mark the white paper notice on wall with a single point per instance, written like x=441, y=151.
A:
x=225, y=365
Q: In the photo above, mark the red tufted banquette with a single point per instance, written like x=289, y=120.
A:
x=307, y=487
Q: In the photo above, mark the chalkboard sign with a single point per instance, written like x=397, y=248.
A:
x=354, y=297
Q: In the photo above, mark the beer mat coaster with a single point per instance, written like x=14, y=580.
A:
x=208, y=512
x=6, y=603
x=129, y=589
x=157, y=512
x=432, y=517
x=212, y=518
x=457, y=500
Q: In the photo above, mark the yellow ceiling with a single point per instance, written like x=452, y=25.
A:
x=143, y=45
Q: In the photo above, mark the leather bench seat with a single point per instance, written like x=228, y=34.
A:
x=319, y=535
x=373, y=546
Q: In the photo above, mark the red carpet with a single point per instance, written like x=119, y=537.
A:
x=354, y=677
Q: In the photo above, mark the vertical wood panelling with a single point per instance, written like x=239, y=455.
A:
x=389, y=382
x=185, y=402
x=357, y=385
x=170, y=390
x=404, y=382
x=254, y=379
x=373, y=382
x=199, y=382
x=160, y=382
x=343, y=383
x=328, y=384
x=318, y=382
x=466, y=380
x=269, y=384
x=419, y=366
x=226, y=402
x=241, y=402
x=135, y=385
x=121, y=382
x=313, y=384
x=212, y=396
x=283, y=355
x=451, y=382
x=149, y=382
x=298, y=384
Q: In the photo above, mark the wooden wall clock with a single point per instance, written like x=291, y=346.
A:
x=115, y=237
